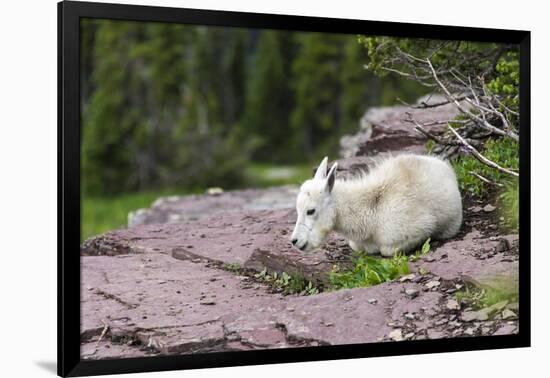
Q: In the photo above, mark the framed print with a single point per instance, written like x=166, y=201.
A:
x=240, y=188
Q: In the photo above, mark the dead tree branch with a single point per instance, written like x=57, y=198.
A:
x=480, y=120
x=482, y=159
x=485, y=179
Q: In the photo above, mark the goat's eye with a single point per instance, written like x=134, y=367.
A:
x=310, y=212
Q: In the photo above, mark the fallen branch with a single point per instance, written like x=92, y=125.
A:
x=480, y=157
x=105, y=328
x=425, y=105
x=418, y=127
x=485, y=179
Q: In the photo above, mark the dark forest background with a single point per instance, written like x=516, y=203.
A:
x=188, y=107
x=170, y=109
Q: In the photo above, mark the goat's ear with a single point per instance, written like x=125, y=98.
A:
x=321, y=171
x=331, y=177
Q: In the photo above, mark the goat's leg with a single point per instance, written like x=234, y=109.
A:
x=371, y=248
x=356, y=247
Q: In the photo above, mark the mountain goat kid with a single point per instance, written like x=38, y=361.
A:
x=393, y=208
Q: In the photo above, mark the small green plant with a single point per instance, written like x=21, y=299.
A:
x=262, y=274
x=287, y=284
x=430, y=145
x=470, y=295
x=421, y=252
x=310, y=289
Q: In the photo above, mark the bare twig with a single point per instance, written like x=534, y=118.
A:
x=436, y=122
x=420, y=79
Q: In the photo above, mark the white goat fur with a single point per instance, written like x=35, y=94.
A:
x=394, y=207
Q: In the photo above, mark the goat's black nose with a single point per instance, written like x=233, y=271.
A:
x=294, y=241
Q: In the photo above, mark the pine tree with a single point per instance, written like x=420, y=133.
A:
x=114, y=120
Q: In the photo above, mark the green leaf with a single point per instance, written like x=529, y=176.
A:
x=426, y=246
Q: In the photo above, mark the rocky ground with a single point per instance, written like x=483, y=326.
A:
x=185, y=277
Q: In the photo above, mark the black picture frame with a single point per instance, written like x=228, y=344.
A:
x=69, y=14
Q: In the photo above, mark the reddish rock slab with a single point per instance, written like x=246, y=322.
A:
x=252, y=239
x=383, y=129
x=106, y=349
x=149, y=303
x=259, y=239
x=154, y=304
x=475, y=258
x=161, y=304
x=194, y=207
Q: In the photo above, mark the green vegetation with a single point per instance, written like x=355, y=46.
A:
x=503, y=151
x=365, y=271
x=287, y=284
x=506, y=82
x=368, y=270
x=232, y=267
